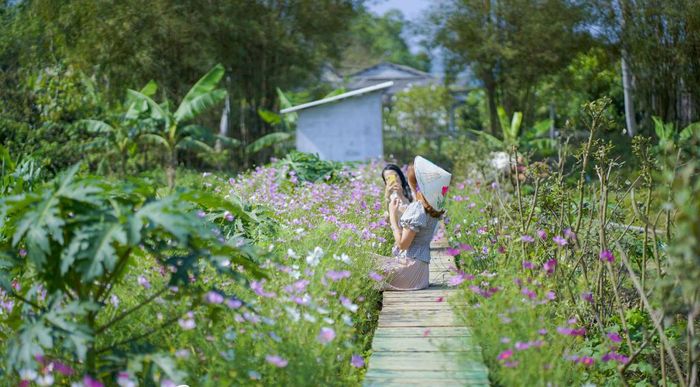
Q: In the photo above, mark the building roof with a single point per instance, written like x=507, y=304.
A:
x=402, y=76
x=339, y=97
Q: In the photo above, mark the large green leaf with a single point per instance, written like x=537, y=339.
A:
x=202, y=96
x=98, y=252
x=492, y=141
x=97, y=126
x=154, y=138
x=191, y=143
x=157, y=111
x=267, y=140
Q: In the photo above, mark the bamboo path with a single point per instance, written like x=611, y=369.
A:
x=419, y=340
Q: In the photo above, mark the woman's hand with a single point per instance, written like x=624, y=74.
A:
x=394, y=209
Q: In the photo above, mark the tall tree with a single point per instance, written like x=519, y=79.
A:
x=510, y=45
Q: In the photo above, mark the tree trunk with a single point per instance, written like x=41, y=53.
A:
x=627, y=79
x=172, y=167
x=223, y=124
x=490, y=86
x=629, y=97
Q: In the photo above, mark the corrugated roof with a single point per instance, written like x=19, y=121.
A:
x=339, y=97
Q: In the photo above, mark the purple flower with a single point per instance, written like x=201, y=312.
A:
x=375, y=276
x=568, y=234
x=542, y=331
x=187, y=323
x=614, y=356
x=213, y=297
x=528, y=265
x=529, y=293
x=511, y=364
x=357, y=361
x=22, y=253
x=457, y=279
x=276, y=360
x=257, y=287
x=550, y=295
x=348, y=304
x=520, y=346
x=144, y=282
x=527, y=239
x=542, y=234
x=587, y=296
x=452, y=251
x=571, y=331
x=560, y=240
x=586, y=360
x=337, y=275
x=228, y=216
x=607, y=256
x=88, y=381
x=550, y=265
x=465, y=247
x=326, y=335
x=614, y=337
x=234, y=303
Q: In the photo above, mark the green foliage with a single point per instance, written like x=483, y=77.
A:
x=373, y=39
x=77, y=239
x=174, y=134
x=309, y=167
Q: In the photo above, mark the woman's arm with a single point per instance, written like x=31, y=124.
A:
x=403, y=237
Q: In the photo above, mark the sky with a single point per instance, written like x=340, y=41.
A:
x=412, y=9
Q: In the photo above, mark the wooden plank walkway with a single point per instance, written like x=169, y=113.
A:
x=419, y=340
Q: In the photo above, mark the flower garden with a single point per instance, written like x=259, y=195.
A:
x=160, y=227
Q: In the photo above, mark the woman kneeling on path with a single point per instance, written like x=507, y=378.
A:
x=413, y=231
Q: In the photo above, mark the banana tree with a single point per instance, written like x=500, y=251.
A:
x=118, y=134
x=177, y=132
x=511, y=132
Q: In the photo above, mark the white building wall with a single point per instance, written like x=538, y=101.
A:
x=346, y=130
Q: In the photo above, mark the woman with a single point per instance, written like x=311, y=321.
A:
x=396, y=186
x=413, y=231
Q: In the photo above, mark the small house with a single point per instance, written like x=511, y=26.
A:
x=345, y=127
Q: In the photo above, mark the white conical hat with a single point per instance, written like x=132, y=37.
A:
x=433, y=182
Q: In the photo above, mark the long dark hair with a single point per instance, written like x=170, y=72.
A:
x=404, y=183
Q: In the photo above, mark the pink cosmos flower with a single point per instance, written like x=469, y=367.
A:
x=586, y=360
x=505, y=355
x=357, y=361
x=277, y=361
x=614, y=337
x=529, y=293
x=465, y=247
x=550, y=265
x=326, y=335
x=457, y=279
x=560, y=240
x=542, y=234
x=451, y=251
x=88, y=381
x=607, y=256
